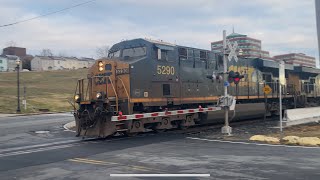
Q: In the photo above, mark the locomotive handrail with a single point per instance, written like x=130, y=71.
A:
x=125, y=89
x=115, y=93
x=75, y=92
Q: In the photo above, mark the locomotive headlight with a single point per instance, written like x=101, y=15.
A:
x=100, y=64
x=99, y=95
x=77, y=98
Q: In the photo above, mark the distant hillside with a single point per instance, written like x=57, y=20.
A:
x=45, y=90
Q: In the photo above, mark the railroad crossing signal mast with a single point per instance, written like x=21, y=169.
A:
x=228, y=101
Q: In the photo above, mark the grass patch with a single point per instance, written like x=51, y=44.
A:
x=44, y=90
x=303, y=130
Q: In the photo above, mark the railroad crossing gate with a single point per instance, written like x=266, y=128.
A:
x=267, y=89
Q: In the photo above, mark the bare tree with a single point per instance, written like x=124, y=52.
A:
x=102, y=52
x=46, y=52
x=11, y=44
x=62, y=54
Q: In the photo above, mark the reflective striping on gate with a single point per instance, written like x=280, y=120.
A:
x=164, y=113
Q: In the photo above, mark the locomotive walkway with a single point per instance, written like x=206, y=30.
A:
x=58, y=154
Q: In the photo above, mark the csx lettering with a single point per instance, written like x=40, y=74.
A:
x=165, y=70
x=122, y=71
x=101, y=78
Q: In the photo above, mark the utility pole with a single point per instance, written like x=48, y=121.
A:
x=226, y=129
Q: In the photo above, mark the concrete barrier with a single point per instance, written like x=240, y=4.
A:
x=301, y=116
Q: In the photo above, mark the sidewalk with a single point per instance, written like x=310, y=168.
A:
x=8, y=115
x=30, y=114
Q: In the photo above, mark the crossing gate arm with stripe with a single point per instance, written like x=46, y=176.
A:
x=164, y=113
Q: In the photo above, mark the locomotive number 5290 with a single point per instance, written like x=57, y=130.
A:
x=165, y=70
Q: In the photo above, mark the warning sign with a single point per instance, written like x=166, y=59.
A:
x=267, y=89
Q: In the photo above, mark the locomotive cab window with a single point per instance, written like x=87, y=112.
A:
x=164, y=52
x=114, y=54
x=134, y=52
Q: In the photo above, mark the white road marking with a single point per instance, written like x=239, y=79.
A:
x=49, y=146
x=247, y=143
x=159, y=175
x=36, y=150
x=38, y=145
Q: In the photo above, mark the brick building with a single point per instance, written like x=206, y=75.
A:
x=251, y=47
x=299, y=59
x=16, y=51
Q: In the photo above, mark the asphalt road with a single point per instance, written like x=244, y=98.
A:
x=22, y=130
x=55, y=157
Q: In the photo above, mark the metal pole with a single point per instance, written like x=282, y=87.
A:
x=226, y=129
x=280, y=106
x=18, y=88
x=24, y=96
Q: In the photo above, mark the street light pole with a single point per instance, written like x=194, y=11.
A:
x=18, y=85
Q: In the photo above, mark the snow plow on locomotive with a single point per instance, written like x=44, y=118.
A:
x=146, y=84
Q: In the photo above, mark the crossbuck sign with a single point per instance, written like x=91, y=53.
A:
x=233, y=47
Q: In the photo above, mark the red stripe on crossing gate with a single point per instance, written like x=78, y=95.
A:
x=180, y=111
x=190, y=110
x=138, y=116
x=122, y=118
x=154, y=114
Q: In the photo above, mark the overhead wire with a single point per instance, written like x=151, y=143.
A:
x=48, y=14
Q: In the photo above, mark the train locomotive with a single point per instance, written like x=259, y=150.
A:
x=143, y=76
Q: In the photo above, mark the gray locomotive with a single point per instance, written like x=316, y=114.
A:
x=144, y=76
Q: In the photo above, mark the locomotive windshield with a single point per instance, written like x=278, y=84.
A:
x=134, y=52
x=114, y=54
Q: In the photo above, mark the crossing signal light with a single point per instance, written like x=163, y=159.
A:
x=236, y=80
x=234, y=77
x=237, y=77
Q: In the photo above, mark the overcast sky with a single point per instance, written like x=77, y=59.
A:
x=283, y=25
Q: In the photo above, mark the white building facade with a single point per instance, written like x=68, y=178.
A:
x=9, y=63
x=45, y=63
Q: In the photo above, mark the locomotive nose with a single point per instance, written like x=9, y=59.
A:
x=111, y=80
